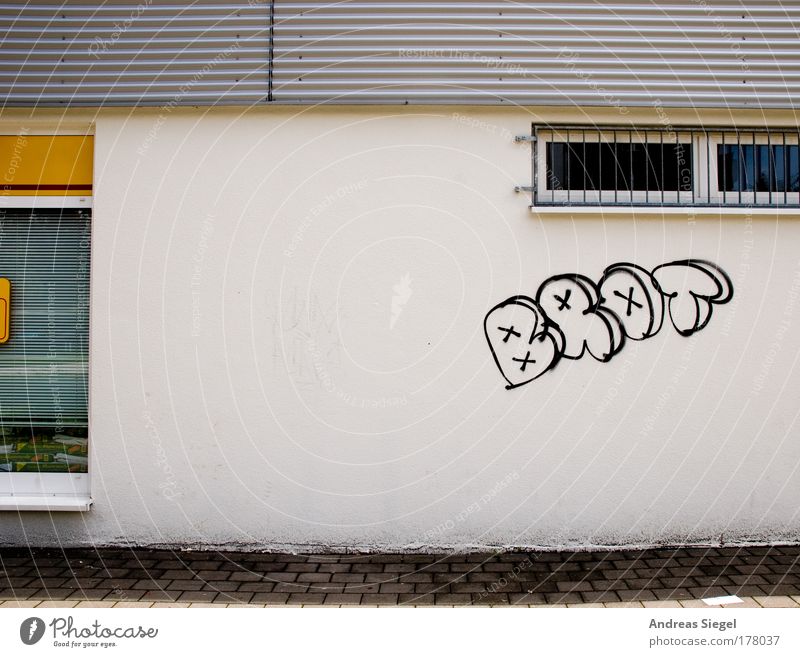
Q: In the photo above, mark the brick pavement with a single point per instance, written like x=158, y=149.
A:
x=682, y=577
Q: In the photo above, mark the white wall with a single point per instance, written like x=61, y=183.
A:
x=248, y=388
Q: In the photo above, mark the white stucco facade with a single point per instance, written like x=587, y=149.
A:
x=287, y=345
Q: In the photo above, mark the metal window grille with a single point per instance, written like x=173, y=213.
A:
x=645, y=166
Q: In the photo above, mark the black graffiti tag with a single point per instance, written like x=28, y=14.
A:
x=572, y=316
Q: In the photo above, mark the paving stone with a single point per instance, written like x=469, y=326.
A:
x=393, y=587
x=89, y=594
x=707, y=592
x=677, y=582
x=348, y=578
x=461, y=568
x=255, y=587
x=468, y=587
x=453, y=598
x=208, y=564
x=301, y=567
x=355, y=587
x=366, y=568
x=630, y=596
x=753, y=570
x=152, y=584
x=600, y=596
x=526, y=598
x=721, y=580
x=270, y=598
x=236, y=597
x=434, y=568
x=178, y=574
x=563, y=598
x=289, y=558
x=293, y=587
x=490, y=598
x=429, y=587
x=15, y=582
x=672, y=594
x=566, y=587
x=315, y=577
x=745, y=603
x=776, y=601
x=695, y=604
x=213, y=575
x=613, y=585
x=46, y=594
x=198, y=596
x=380, y=599
x=335, y=567
x=95, y=604
x=744, y=590
x=257, y=577
x=161, y=596
x=342, y=599
x=420, y=558
x=185, y=585
x=306, y=598
x=130, y=596
x=326, y=587
x=781, y=589
x=416, y=600
x=627, y=577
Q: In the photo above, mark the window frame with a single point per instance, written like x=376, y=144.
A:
x=705, y=193
x=754, y=198
x=51, y=491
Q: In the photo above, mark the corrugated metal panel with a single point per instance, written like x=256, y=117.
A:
x=128, y=53
x=626, y=53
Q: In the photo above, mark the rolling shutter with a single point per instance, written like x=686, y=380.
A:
x=714, y=53
x=151, y=52
x=622, y=53
x=44, y=363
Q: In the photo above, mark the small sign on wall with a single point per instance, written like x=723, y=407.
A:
x=5, y=309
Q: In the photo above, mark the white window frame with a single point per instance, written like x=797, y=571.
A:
x=755, y=199
x=705, y=197
x=49, y=491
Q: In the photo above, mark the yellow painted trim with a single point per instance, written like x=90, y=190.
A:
x=46, y=165
x=5, y=309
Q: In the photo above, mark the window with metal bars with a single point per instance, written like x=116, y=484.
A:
x=608, y=166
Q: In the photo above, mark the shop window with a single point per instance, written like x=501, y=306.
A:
x=44, y=326
x=44, y=362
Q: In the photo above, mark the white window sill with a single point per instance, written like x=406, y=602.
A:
x=44, y=202
x=657, y=209
x=45, y=503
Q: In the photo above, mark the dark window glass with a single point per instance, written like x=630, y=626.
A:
x=620, y=166
x=759, y=167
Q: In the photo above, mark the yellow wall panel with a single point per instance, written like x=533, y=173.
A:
x=46, y=165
